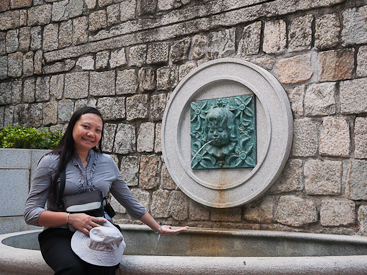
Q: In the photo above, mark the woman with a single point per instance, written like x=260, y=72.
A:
x=87, y=168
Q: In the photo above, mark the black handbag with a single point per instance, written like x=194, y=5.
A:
x=90, y=203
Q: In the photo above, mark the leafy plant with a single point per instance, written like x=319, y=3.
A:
x=29, y=138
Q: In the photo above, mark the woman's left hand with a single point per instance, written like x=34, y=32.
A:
x=167, y=230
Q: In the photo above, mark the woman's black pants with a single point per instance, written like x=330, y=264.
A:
x=57, y=252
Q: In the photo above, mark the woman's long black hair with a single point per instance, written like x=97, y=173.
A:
x=65, y=148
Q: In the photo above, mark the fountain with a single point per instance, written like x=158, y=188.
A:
x=209, y=251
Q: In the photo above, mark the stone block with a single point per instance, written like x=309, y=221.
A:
x=353, y=96
x=179, y=208
x=356, y=180
x=290, y=179
x=126, y=82
x=323, y=177
x=50, y=113
x=149, y=172
x=160, y=204
x=146, y=7
x=305, y=137
x=86, y=63
x=112, y=108
x=76, y=85
x=337, y=212
x=2, y=112
x=360, y=137
x=102, y=59
x=43, y=88
x=118, y=58
x=226, y=215
x=92, y=102
x=39, y=15
x=66, y=34
x=129, y=169
x=15, y=64
x=109, y=131
x=57, y=86
x=198, y=212
x=142, y=196
x=28, y=67
x=167, y=77
x=80, y=30
x=91, y=4
x=65, y=110
x=9, y=20
x=166, y=180
x=127, y=8
x=102, y=83
x=199, y=46
x=158, y=53
x=35, y=114
x=157, y=142
x=320, y=99
x=300, y=34
x=12, y=42
x=294, y=69
x=8, y=116
x=295, y=211
x=137, y=55
x=29, y=90
x=24, y=39
x=180, y=50
x=36, y=38
x=275, y=38
x=38, y=62
x=354, y=30
x=58, y=67
x=16, y=4
x=262, y=213
x=137, y=107
x=362, y=219
x=14, y=224
x=250, y=40
x=117, y=206
x=125, y=140
x=50, y=37
x=59, y=10
x=14, y=191
x=327, y=31
x=157, y=106
x=362, y=61
x=296, y=98
x=36, y=155
x=97, y=20
x=145, y=141
x=185, y=69
x=113, y=14
x=21, y=114
x=2, y=43
x=335, y=137
x=336, y=65
x=15, y=159
x=3, y=67
x=5, y=93
x=4, y=5
x=222, y=44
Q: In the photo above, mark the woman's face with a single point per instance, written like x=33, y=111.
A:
x=87, y=132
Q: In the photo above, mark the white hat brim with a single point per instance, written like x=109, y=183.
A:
x=79, y=244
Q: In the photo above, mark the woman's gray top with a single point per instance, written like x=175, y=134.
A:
x=101, y=173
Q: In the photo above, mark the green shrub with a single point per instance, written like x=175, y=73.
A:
x=29, y=138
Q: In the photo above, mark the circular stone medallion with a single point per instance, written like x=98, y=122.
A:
x=227, y=132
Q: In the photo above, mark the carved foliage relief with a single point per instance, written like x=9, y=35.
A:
x=223, y=133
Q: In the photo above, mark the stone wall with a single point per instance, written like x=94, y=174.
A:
x=126, y=56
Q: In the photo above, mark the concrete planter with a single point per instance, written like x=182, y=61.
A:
x=17, y=168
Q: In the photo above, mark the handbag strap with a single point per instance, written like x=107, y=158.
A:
x=61, y=189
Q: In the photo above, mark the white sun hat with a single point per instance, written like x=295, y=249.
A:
x=104, y=246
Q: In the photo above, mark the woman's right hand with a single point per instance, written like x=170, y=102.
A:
x=84, y=222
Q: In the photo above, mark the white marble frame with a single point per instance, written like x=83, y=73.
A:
x=223, y=188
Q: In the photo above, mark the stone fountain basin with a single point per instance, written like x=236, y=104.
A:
x=209, y=251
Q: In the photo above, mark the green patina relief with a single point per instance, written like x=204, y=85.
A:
x=223, y=133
